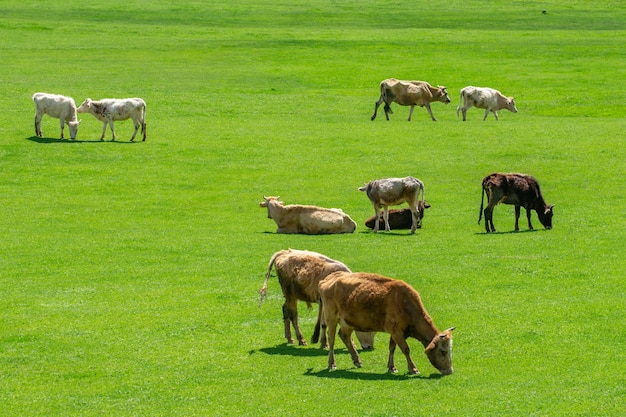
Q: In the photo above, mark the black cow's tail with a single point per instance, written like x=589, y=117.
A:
x=482, y=201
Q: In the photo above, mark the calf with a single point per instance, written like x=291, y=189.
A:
x=111, y=109
x=398, y=218
x=484, y=98
x=57, y=106
x=409, y=93
x=394, y=191
x=299, y=273
x=310, y=220
x=371, y=302
x=519, y=190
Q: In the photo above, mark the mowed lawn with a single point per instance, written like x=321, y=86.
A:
x=129, y=272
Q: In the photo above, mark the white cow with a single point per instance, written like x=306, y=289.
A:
x=57, y=106
x=111, y=109
x=485, y=98
x=392, y=192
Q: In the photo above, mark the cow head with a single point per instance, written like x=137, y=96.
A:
x=268, y=201
x=73, y=125
x=510, y=104
x=442, y=94
x=546, y=217
x=85, y=107
x=439, y=352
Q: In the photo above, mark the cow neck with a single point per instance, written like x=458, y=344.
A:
x=424, y=330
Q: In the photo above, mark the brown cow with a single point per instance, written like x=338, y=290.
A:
x=392, y=192
x=371, y=302
x=311, y=220
x=299, y=273
x=398, y=218
x=484, y=98
x=520, y=190
x=409, y=93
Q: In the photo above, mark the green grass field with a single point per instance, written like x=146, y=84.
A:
x=129, y=272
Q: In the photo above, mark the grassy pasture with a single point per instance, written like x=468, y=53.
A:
x=129, y=272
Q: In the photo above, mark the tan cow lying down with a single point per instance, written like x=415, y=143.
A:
x=299, y=273
x=409, y=93
x=310, y=220
x=373, y=303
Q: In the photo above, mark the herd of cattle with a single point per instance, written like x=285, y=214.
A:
x=367, y=303
x=364, y=303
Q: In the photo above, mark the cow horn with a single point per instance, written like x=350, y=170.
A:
x=450, y=329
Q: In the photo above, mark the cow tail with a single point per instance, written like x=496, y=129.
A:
x=263, y=290
x=482, y=200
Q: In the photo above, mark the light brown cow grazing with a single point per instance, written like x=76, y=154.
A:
x=484, y=98
x=299, y=273
x=393, y=191
x=310, y=220
x=409, y=93
x=520, y=190
x=374, y=303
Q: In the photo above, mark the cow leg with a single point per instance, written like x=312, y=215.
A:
x=38, y=125
x=489, y=227
x=411, y=112
x=346, y=335
x=331, y=327
x=316, y=333
x=495, y=113
x=112, y=130
x=486, y=114
x=378, y=103
x=386, y=217
x=427, y=105
x=391, y=367
x=290, y=316
x=143, y=130
x=62, y=127
x=414, y=217
x=517, y=214
x=404, y=347
x=464, y=111
x=137, y=125
x=377, y=222
x=387, y=110
x=104, y=129
x=528, y=213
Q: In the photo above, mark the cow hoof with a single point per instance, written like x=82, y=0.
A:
x=302, y=342
x=332, y=367
x=358, y=364
x=414, y=371
x=393, y=370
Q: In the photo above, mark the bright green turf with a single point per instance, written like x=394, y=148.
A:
x=129, y=272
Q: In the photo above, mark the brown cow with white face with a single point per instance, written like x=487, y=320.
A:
x=299, y=273
x=310, y=220
x=409, y=93
x=392, y=192
x=372, y=302
x=520, y=190
x=484, y=98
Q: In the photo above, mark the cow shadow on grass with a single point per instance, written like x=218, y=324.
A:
x=359, y=375
x=46, y=140
x=511, y=232
x=292, y=350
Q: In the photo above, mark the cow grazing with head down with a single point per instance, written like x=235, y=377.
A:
x=371, y=302
x=398, y=218
x=310, y=220
x=520, y=190
x=111, y=109
x=299, y=273
x=392, y=192
x=409, y=93
x=484, y=98
x=59, y=107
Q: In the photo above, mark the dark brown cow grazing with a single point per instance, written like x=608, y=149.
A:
x=371, y=302
x=398, y=218
x=392, y=192
x=519, y=190
x=299, y=273
x=409, y=93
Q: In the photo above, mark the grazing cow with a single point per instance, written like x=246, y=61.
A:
x=484, y=98
x=299, y=273
x=110, y=109
x=398, y=218
x=57, y=106
x=310, y=220
x=374, y=303
x=517, y=189
x=409, y=93
x=395, y=191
